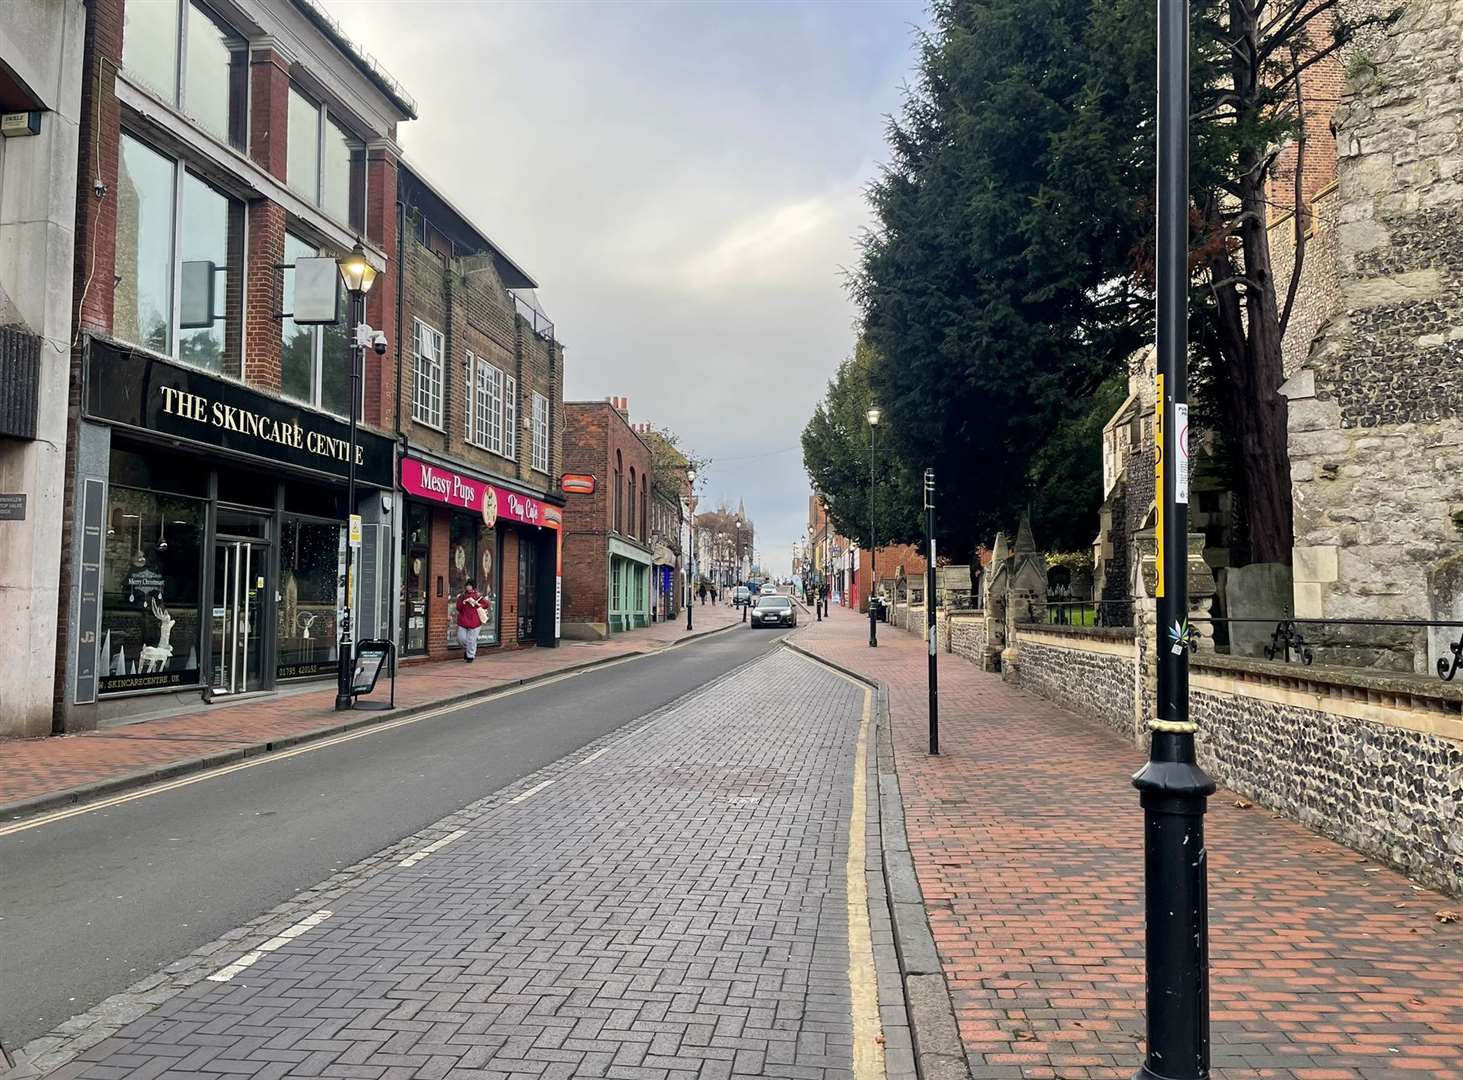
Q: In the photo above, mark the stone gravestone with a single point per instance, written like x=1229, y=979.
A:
x=1257, y=591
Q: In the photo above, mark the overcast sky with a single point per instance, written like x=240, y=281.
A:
x=684, y=180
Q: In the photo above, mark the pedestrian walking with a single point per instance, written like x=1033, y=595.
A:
x=469, y=620
x=713, y=596
x=701, y=592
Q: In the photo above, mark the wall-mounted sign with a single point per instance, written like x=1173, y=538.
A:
x=453, y=488
x=12, y=507
x=576, y=484
x=154, y=395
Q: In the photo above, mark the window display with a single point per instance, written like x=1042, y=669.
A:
x=462, y=557
x=150, y=594
x=414, y=578
x=310, y=567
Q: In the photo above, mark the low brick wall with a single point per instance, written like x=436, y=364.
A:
x=1089, y=670
x=1372, y=760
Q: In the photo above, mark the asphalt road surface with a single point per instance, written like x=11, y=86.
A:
x=92, y=903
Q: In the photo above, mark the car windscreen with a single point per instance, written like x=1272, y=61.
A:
x=775, y=602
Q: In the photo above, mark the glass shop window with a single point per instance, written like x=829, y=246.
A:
x=311, y=568
x=150, y=591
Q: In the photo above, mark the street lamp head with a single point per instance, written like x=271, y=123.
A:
x=356, y=272
x=874, y=414
x=691, y=476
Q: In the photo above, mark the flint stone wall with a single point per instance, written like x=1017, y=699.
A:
x=1077, y=676
x=1389, y=791
x=965, y=636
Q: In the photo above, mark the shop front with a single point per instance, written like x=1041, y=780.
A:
x=210, y=554
x=461, y=527
x=632, y=570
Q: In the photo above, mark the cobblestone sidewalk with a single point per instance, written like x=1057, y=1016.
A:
x=1027, y=840
x=673, y=906
x=39, y=768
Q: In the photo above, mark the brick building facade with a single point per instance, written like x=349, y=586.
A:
x=608, y=561
x=206, y=459
x=476, y=397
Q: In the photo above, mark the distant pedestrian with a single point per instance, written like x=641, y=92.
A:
x=713, y=596
x=469, y=620
x=701, y=592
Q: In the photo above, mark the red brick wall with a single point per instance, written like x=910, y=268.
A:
x=508, y=595
x=269, y=102
x=96, y=218
x=264, y=351
x=380, y=371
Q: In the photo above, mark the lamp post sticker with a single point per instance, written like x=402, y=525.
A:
x=1181, y=473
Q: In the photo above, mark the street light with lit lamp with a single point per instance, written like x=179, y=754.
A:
x=874, y=415
x=357, y=275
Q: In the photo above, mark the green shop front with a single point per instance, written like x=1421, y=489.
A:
x=632, y=574
x=208, y=561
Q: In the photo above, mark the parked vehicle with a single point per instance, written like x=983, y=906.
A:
x=741, y=595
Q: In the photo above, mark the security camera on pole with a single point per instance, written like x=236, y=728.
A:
x=1174, y=790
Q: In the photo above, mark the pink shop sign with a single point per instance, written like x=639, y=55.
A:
x=445, y=486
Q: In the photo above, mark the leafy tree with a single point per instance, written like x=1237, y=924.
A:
x=1010, y=270
x=836, y=454
x=997, y=300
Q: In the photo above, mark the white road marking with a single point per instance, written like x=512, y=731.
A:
x=529, y=793
x=284, y=937
x=436, y=845
x=591, y=757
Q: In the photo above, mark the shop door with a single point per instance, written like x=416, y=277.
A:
x=527, y=588
x=239, y=572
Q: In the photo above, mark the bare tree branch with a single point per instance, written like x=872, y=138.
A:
x=1302, y=211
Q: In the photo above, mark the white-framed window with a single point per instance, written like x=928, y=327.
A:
x=426, y=405
x=510, y=417
x=540, y=432
x=488, y=401
x=471, y=408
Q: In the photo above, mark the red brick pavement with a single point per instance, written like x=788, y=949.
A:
x=35, y=768
x=1027, y=840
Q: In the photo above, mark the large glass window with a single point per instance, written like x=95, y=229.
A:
x=150, y=592
x=150, y=45
x=178, y=257
x=510, y=417
x=462, y=557
x=316, y=360
x=215, y=77
x=204, y=239
x=415, y=575
x=144, y=267
x=325, y=162
x=311, y=565
x=488, y=583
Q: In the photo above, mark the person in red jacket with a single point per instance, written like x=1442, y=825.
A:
x=469, y=620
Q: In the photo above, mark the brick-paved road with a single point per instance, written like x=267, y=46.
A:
x=1027, y=834
x=40, y=767
x=674, y=906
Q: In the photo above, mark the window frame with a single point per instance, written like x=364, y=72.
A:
x=436, y=424
x=181, y=169
x=355, y=199
x=540, y=434
x=176, y=97
x=510, y=417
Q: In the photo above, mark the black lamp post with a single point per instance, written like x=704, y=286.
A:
x=1174, y=791
x=874, y=414
x=357, y=275
x=691, y=538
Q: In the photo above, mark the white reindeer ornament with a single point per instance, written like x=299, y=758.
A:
x=155, y=658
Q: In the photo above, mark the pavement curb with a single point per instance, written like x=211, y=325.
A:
x=59, y=800
x=938, y=1051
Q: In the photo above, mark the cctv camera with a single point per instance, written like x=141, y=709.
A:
x=378, y=342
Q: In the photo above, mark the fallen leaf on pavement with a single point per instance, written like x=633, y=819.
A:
x=1242, y=804
x=1446, y=916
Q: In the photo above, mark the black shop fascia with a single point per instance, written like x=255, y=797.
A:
x=211, y=551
